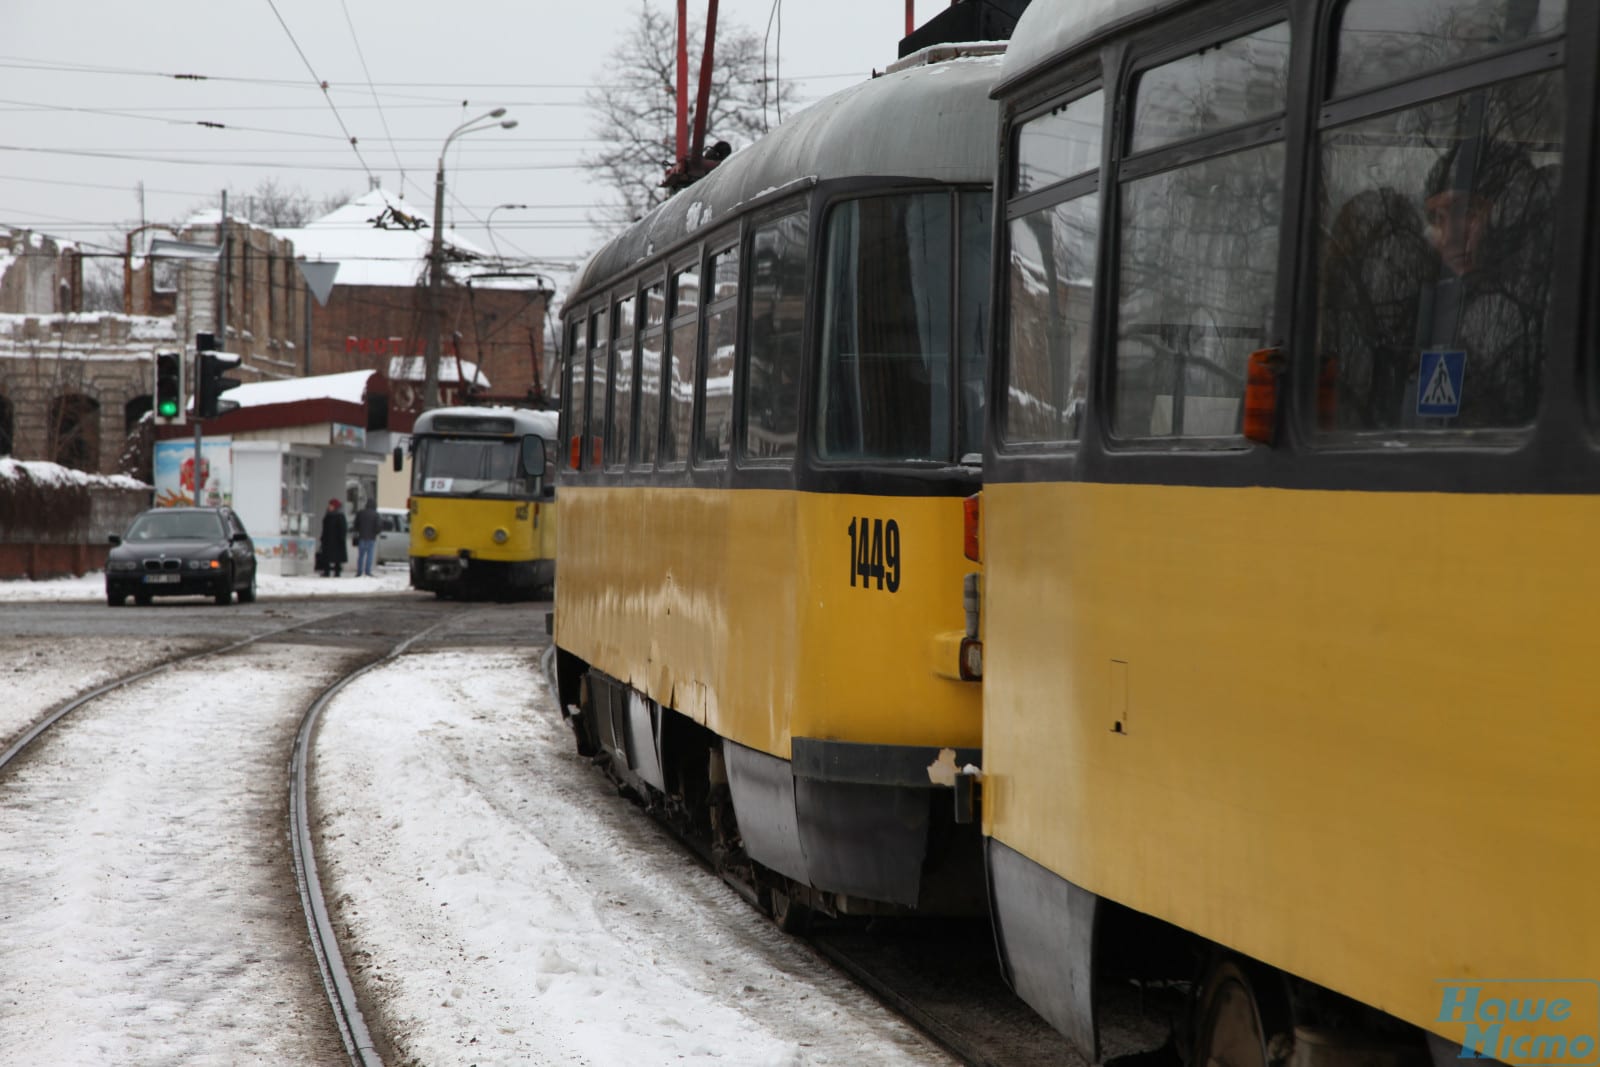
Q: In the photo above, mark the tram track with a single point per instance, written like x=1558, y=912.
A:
x=938, y=975
x=395, y=631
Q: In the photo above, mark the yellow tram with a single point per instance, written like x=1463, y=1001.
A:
x=483, y=517
x=772, y=410
x=1290, y=474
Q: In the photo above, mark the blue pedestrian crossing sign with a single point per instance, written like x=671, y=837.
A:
x=1439, y=382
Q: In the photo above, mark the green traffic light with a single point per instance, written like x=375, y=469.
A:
x=168, y=409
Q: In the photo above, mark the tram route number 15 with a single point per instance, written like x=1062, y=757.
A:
x=875, y=553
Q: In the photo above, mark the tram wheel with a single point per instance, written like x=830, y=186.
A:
x=791, y=916
x=1242, y=1018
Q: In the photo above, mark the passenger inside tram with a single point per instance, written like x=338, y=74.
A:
x=1436, y=317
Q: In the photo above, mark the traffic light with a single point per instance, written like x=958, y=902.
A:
x=169, y=386
x=211, y=368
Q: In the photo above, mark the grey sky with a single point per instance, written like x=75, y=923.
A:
x=92, y=110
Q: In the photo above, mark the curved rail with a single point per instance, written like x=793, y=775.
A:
x=31, y=734
x=335, y=976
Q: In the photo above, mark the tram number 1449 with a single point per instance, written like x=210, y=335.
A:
x=875, y=553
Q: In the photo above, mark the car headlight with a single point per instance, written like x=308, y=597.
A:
x=122, y=566
x=203, y=564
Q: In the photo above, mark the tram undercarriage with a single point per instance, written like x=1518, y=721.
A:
x=840, y=829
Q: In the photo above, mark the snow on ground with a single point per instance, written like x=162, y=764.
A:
x=147, y=888
x=388, y=578
x=501, y=904
x=519, y=912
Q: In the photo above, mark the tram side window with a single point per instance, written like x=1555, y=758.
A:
x=777, y=317
x=649, y=375
x=1050, y=273
x=1383, y=41
x=574, y=402
x=1197, y=276
x=884, y=389
x=722, y=320
x=972, y=318
x=597, y=387
x=1435, y=268
x=684, y=301
x=619, y=433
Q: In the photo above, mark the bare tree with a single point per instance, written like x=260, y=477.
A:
x=636, y=108
x=276, y=207
x=102, y=283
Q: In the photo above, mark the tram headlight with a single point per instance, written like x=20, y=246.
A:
x=430, y=533
x=501, y=537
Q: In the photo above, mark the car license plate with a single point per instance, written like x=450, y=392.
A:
x=155, y=579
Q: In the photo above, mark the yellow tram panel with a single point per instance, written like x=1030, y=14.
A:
x=461, y=523
x=735, y=607
x=1297, y=722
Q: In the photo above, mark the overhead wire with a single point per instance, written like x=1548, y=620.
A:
x=324, y=85
x=374, y=90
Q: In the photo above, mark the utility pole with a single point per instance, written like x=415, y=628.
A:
x=430, y=359
x=222, y=339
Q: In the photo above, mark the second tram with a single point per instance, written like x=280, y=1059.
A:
x=483, y=517
x=773, y=411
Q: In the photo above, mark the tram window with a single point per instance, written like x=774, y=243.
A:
x=1050, y=284
x=574, y=400
x=621, y=423
x=1060, y=144
x=650, y=371
x=685, y=302
x=1382, y=41
x=722, y=319
x=884, y=389
x=1225, y=85
x=1435, y=267
x=1195, y=292
x=597, y=387
x=972, y=318
x=777, y=317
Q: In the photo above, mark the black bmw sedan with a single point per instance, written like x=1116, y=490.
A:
x=182, y=552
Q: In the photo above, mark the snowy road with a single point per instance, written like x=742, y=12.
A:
x=499, y=903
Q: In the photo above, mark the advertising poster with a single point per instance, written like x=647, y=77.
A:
x=175, y=474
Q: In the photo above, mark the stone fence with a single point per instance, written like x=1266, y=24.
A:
x=55, y=522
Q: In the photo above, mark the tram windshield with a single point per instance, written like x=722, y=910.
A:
x=471, y=466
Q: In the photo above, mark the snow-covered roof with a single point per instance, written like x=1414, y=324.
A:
x=415, y=369
x=349, y=386
x=371, y=255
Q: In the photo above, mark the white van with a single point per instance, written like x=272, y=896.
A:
x=394, y=535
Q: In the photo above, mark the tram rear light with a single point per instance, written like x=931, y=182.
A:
x=969, y=527
x=575, y=452
x=971, y=659
x=1261, y=395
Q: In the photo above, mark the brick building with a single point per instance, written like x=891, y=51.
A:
x=75, y=389
x=378, y=306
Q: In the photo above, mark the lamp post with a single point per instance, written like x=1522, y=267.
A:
x=489, y=224
x=430, y=385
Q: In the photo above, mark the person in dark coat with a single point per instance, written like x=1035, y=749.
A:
x=366, y=537
x=334, y=531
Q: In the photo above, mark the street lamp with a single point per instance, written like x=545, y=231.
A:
x=489, y=224
x=430, y=385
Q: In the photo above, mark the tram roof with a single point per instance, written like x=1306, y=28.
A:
x=1048, y=28
x=524, y=420
x=927, y=122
